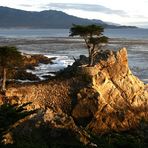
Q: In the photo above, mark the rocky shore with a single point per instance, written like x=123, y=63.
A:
x=84, y=100
x=29, y=62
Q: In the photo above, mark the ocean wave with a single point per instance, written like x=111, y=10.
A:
x=59, y=63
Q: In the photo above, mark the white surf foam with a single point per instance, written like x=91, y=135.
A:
x=59, y=63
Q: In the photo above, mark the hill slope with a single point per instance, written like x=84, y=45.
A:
x=12, y=18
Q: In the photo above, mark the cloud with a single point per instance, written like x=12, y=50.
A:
x=142, y=23
x=85, y=7
x=140, y=16
x=25, y=5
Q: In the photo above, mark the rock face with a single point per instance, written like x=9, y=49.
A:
x=110, y=99
x=42, y=95
x=28, y=62
x=120, y=98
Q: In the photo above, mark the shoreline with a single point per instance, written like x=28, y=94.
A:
x=65, y=48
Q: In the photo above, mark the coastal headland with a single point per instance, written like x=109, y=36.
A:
x=81, y=100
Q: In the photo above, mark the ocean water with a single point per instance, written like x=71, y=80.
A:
x=57, y=43
x=128, y=33
x=33, y=33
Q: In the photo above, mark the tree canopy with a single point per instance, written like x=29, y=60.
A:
x=93, y=36
x=84, y=31
x=10, y=58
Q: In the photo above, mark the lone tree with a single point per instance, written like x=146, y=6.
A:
x=10, y=58
x=93, y=36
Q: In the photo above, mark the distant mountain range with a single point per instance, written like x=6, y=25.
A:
x=14, y=18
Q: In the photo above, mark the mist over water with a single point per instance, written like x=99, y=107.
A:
x=56, y=43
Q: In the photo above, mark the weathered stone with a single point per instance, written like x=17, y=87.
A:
x=29, y=61
x=123, y=99
x=87, y=104
x=59, y=120
x=117, y=100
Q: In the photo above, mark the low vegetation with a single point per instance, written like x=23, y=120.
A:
x=10, y=115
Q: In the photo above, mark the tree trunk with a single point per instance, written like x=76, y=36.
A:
x=91, y=55
x=4, y=80
x=91, y=58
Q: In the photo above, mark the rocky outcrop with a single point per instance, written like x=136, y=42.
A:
x=120, y=99
x=42, y=95
x=29, y=61
x=57, y=119
x=108, y=97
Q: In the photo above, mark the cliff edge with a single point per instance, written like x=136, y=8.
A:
x=116, y=99
x=102, y=98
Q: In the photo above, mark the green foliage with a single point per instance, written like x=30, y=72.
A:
x=89, y=30
x=10, y=114
x=98, y=40
x=9, y=57
x=93, y=36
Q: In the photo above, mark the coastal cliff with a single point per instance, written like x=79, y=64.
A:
x=103, y=98
x=117, y=99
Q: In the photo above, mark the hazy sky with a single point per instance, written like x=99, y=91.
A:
x=125, y=12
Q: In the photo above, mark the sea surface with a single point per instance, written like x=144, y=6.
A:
x=57, y=43
x=128, y=33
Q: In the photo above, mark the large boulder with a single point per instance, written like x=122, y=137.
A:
x=120, y=100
